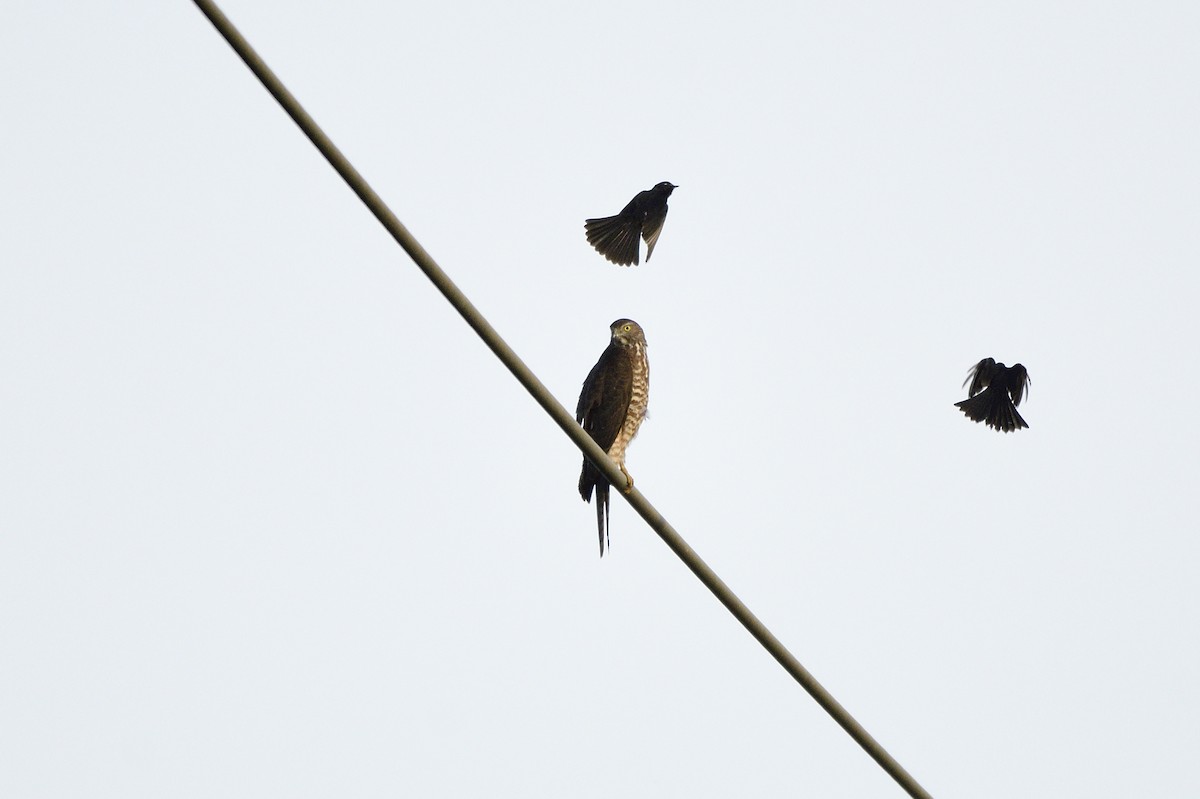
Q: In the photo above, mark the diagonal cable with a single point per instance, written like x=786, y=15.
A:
x=551, y=405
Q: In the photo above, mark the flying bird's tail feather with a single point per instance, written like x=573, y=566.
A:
x=993, y=407
x=615, y=238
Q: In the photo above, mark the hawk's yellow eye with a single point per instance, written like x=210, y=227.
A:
x=628, y=328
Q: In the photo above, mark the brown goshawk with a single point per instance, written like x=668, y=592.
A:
x=611, y=408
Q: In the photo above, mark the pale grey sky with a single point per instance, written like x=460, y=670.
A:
x=275, y=523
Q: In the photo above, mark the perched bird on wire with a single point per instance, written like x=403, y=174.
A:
x=611, y=408
x=996, y=391
x=616, y=237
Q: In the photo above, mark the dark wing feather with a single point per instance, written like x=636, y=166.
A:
x=980, y=376
x=606, y=394
x=1018, y=383
x=652, y=229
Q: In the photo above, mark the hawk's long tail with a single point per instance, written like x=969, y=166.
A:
x=602, y=513
x=589, y=479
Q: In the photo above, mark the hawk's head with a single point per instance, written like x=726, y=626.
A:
x=627, y=333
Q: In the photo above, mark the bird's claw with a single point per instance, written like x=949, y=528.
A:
x=629, y=480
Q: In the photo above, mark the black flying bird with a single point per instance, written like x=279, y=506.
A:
x=996, y=391
x=616, y=237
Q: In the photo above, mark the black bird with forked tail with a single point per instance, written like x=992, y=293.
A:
x=996, y=391
x=616, y=237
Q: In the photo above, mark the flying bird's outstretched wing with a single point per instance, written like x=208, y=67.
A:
x=652, y=228
x=980, y=375
x=1018, y=383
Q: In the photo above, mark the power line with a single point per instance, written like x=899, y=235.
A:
x=551, y=405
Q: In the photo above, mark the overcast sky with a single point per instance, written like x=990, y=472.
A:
x=275, y=523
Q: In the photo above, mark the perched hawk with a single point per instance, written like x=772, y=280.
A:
x=611, y=408
x=616, y=237
x=996, y=391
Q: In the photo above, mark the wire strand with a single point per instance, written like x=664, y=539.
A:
x=551, y=405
